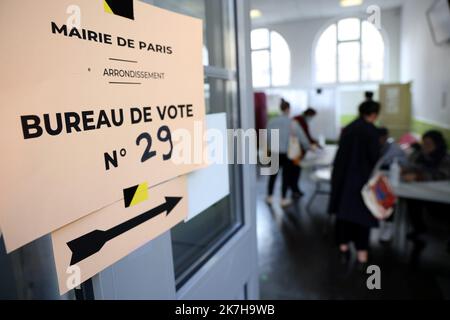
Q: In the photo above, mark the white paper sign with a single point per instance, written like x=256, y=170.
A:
x=210, y=185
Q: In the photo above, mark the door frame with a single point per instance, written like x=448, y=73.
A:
x=232, y=272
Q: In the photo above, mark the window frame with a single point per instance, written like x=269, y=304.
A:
x=226, y=73
x=269, y=50
x=338, y=82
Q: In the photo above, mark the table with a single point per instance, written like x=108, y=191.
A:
x=320, y=158
x=437, y=191
x=317, y=165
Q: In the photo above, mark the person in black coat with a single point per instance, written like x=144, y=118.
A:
x=358, y=153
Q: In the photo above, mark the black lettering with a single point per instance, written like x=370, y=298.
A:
x=92, y=36
x=103, y=120
x=117, y=122
x=62, y=30
x=76, y=33
x=136, y=115
x=87, y=120
x=48, y=127
x=162, y=113
x=190, y=112
x=121, y=42
x=72, y=122
x=148, y=114
x=33, y=129
x=107, y=39
x=111, y=160
x=151, y=48
x=181, y=107
x=173, y=112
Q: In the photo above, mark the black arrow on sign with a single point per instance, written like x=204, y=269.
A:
x=92, y=242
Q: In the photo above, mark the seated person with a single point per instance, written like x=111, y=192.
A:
x=429, y=162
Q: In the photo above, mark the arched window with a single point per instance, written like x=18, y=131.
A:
x=350, y=50
x=271, y=59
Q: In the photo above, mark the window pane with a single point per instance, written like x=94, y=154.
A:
x=192, y=240
x=349, y=29
x=195, y=241
x=281, y=60
x=260, y=39
x=372, y=53
x=349, y=59
x=261, y=68
x=325, y=56
x=219, y=34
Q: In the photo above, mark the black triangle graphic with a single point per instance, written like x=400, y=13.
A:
x=128, y=195
x=123, y=8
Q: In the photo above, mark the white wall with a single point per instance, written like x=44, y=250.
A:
x=425, y=64
x=391, y=24
x=301, y=36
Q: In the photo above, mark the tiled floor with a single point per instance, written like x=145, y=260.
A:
x=298, y=259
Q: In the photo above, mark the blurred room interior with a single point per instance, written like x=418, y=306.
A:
x=326, y=55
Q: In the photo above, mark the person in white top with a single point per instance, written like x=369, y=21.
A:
x=286, y=127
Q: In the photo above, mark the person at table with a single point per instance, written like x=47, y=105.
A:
x=430, y=162
x=390, y=151
x=304, y=120
x=356, y=158
x=286, y=127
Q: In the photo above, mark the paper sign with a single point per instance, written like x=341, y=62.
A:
x=91, y=93
x=392, y=100
x=210, y=185
x=91, y=244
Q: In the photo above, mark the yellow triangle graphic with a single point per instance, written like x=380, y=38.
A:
x=141, y=194
x=107, y=7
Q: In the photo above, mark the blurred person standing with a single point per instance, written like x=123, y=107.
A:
x=287, y=128
x=368, y=95
x=356, y=158
x=304, y=120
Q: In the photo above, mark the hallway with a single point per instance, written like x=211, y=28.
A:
x=298, y=259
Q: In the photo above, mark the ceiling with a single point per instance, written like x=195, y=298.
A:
x=275, y=11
